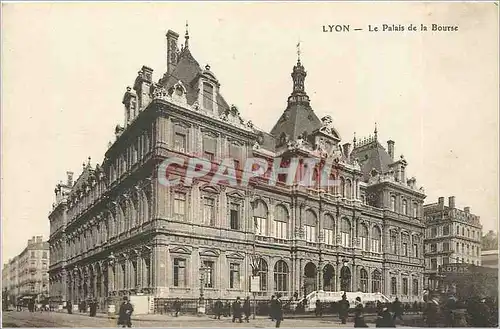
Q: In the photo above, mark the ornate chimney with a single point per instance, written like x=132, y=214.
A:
x=172, y=52
x=390, y=149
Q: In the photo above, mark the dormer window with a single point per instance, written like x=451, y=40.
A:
x=208, y=97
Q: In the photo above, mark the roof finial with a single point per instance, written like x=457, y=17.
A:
x=186, y=36
x=88, y=161
x=298, y=51
x=375, y=131
x=354, y=140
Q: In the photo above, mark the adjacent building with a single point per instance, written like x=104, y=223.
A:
x=452, y=235
x=26, y=275
x=116, y=230
x=489, y=258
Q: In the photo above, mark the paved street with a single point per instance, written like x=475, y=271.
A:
x=54, y=319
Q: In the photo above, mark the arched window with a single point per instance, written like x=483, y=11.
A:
x=376, y=239
x=348, y=189
x=405, y=207
x=363, y=280
x=262, y=273
x=405, y=286
x=281, y=222
x=333, y=188
x=260, y=218
x=208, y=96
x=393, y=203
x=342, y=186
x=345, y=232
x=415, y=209
x=376, y=281
x=394, y=286
x=363, y=237
x=328, y=278
x=329, y=230
x=281, y=276
x=310, y=226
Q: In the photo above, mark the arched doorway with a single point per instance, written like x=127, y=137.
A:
x=309, y=278
x=328, y=278
x=345, y=279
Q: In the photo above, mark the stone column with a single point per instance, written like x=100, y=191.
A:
x=160, y=268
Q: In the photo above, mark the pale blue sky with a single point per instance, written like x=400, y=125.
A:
x=66, y=67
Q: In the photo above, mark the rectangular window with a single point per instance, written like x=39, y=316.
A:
x=405, y=286
x=280, y=231
x=208, y=97
x=234, y=214
x=180, y=205
x=310, y=233
x=433, y=232
x=44, y=255
x=260, y=226
x=446, y=246
x=179, y=272
x=433, y=247
x=235, y=154
x=415, y=287
x=329, y=237
x=446, y=230
x=209, y=147
x=209, y=211
x=180, y=142
x=234, y=276
x=375, y=245
x=32, y=254
x=405, y=249
x=345, y=239
x=446, y=260
x=433, y=264
x=209, y=273
x=393, y=244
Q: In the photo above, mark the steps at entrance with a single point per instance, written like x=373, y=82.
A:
x=335, y=296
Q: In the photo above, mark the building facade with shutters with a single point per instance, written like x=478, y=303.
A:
x=452, y=235
x=117, y=230
x=26, y=275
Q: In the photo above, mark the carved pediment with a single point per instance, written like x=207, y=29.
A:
x=209, y=253
x=235, y=255
x=180, y=250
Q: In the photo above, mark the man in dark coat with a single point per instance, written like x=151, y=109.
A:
x=343, y=309
x=177, y=306
x=237, y=310
x=278, y=310
x=272, y=308
x=69, y=307
x=218, y=306
x=227, y=309
x=397, y=308
x=246, y=309
x=318, y=311
x=125, y=314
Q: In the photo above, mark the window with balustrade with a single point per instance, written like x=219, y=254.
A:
x=281, y=222
x=345, y=232
x=260, y=214
x=363, y=237
x=329, y=230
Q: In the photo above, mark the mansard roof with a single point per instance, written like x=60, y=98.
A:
x=188, y=71
x=372, y=155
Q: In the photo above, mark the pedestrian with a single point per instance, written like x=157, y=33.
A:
x=237, y=310
x=177, y=307
x=359, y=320
x=397, y=309
x=272, y=308
x=343, y=309
x=318, y=311
x=296, y=296
x=69, y=307
x=218, y=308
x=278, y=311
x=385, y=320
x=432, y=313
x=246, y=309
x=93, y=308
x=125, y=313
x=165, y=308
x=227, y=309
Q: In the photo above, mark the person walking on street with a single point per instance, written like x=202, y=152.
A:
x=227, y=309
x=69, y=307
x=177, y=307
x=246, y=308
x=343, y=309
x=237, y=310
x=318, y=311
x=272, y=308
x=218, y=306
x=278, y=311
x=359, y=320
x=397, y=309
x=125, y=314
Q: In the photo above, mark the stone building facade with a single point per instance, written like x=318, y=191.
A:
x=452, y=235
x=27, y=273
x=118, y=231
